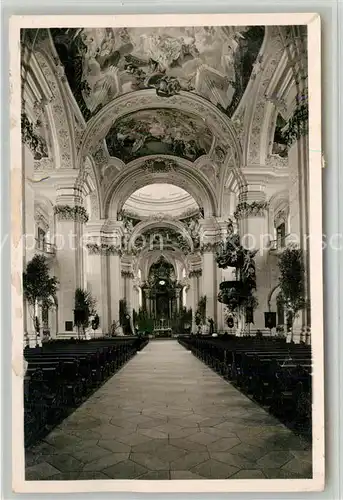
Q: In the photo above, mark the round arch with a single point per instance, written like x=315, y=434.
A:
x=62, y=127
x=156, y=224
x=219, y=123
x=255, y=115
x=278, y=208
x=146, y=258
x=177, y=171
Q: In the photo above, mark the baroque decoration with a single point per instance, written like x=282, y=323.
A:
x=127, y=274
x=130, y=220
x=157, y=166
x=76, y=213
x=255, y=208
x=29, y=136
x=103, y=249
x=214, y=62
x=158, y=131
x=209, y=247
x=162, y=238
x=297, y=125
x=196, y=273
x=239, y=293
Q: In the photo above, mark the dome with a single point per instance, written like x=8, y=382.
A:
x=160, y=199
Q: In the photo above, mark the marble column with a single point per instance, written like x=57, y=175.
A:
x=128, y=277
x=252, y=219
x=70, y=217
x=178, y=300
x=111, y=241
x=194, y=294
x=97, y=274
x=114, y=282
x=209, y=281
x=96, y=285
x=29, y=234
x=299, y=220
x=221, y=308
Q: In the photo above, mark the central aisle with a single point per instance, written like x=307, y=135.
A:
x=166, y=415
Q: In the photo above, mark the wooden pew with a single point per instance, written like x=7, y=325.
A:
x=60, y=375
x=272, y=372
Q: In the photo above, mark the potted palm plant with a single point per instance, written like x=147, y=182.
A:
x=39, y=287
x=84, y=308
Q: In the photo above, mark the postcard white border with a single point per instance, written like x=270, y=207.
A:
x=19, y=484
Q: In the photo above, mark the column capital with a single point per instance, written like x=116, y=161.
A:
x=103, y=249
x=76, y=213
x=127, y=274
x=196, y=273
x=253, y=209
x=103, y=239
x=209, y=247
x=210, y=234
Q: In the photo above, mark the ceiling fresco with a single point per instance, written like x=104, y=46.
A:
x=103, y=63
x=159, y=131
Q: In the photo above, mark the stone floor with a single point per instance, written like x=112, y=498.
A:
x=166, y=415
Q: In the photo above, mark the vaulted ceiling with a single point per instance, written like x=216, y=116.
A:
x=103, y=63
x=155, y=200
x=159, y=131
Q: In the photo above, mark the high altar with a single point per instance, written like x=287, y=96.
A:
x=162, y=294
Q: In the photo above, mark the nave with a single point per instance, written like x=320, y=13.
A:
x=166, y=415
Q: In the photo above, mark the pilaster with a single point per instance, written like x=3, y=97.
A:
x=299, y=208
x=114, y=251
x=98, y=270
x=28, y=212
x=194, y=293
x=251, y=215
x=210, y=235
x=70, y=217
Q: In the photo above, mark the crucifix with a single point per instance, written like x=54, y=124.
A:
x=162, y=320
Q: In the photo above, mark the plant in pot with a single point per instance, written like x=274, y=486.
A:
x=292, y=283
x=145, y=323
x=39, y=287
x=84, y=307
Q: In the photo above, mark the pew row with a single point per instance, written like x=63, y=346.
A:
x=62, y=375
x=276, y=374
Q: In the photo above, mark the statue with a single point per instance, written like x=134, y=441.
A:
x=248, y=268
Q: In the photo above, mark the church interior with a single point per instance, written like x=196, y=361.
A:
x=165, y=211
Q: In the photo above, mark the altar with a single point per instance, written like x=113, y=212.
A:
x=161, y=294
x=162, y=328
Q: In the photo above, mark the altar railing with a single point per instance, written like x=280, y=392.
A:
x=162, y=324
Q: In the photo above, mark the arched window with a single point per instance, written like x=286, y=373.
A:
x=281, y=235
